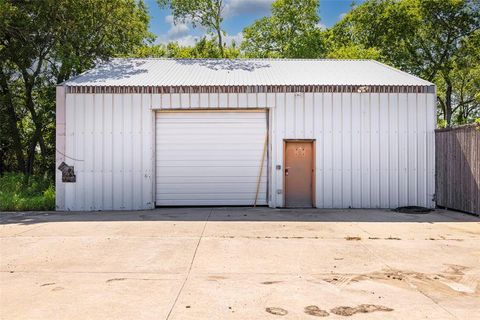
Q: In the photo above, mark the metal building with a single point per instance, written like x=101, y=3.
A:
x=141, y=133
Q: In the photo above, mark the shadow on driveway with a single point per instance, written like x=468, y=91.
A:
x=262, y=214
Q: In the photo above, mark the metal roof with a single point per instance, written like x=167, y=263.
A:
x=244, y=72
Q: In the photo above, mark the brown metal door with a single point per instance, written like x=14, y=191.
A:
x=298, y=174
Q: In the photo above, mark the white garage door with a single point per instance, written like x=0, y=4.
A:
x=210, y=158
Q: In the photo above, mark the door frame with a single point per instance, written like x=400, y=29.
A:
x=314, y=157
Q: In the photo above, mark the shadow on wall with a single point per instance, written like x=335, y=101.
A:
x=239, y=214
x=457, y=159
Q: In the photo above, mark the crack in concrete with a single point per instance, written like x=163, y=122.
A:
x=190, y=267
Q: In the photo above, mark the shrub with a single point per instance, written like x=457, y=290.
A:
x=21, y=193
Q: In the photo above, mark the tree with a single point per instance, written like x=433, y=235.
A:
x=292, y=31
x=464, y=79
x=204, y=48
x=206, y=13
x=425, y=37
x=354, y=51
x=43, y=43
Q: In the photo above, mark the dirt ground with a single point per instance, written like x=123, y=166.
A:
x=240, y=263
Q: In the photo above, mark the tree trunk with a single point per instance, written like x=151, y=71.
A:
x=220, y=42
x=12, y=125
x=31, y=153
x=36, y=120
x=448, y=104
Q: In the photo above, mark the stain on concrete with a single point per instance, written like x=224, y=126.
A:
x=392, y=238
x=456, y=269
x=276, y=311
x=47, y=284
x=443, y=238
x=271, y=282
x=115, y=279
x=57, y=289
x=353, y=238
x=315, y=311
x=363, y=308
x=451, y=282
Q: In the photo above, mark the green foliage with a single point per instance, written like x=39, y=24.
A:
x=43, y=43
x=434, y=39
x=292, y=31
x=442, y=123
x=354, y=51
x=204, y=48
x=21, y=193
x=149, y=51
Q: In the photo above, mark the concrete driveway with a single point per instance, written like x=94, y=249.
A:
x=240, y=263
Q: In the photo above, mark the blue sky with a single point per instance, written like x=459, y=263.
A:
x=238, y=15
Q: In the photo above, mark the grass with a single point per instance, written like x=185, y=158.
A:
x=17, y=193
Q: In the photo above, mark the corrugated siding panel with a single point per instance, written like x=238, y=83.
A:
x=210, y=158
x=109, y=136
x=372, y=149
x=209, y=101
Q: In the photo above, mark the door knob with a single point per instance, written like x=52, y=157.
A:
x=286, y=171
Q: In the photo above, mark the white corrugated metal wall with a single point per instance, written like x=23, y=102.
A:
x=372, y=149
x=110, y=141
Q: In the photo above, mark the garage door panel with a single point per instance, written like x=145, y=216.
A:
x=208, y=128
x=227, y=147
x=218, y=137
x=226, y=196
x=200, y=188
x=166, y=180
x=198, y=202
x=210, y=158
x=203, y=171
x=212, y=155
x=209, y=163
x=211, y=116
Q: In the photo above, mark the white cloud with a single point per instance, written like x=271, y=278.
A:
x=342, y=15
x=237, y=7
x=176, y=31
x=188, y=40
x=321, y=26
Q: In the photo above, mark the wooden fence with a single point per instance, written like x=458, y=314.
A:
x=457, y=161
